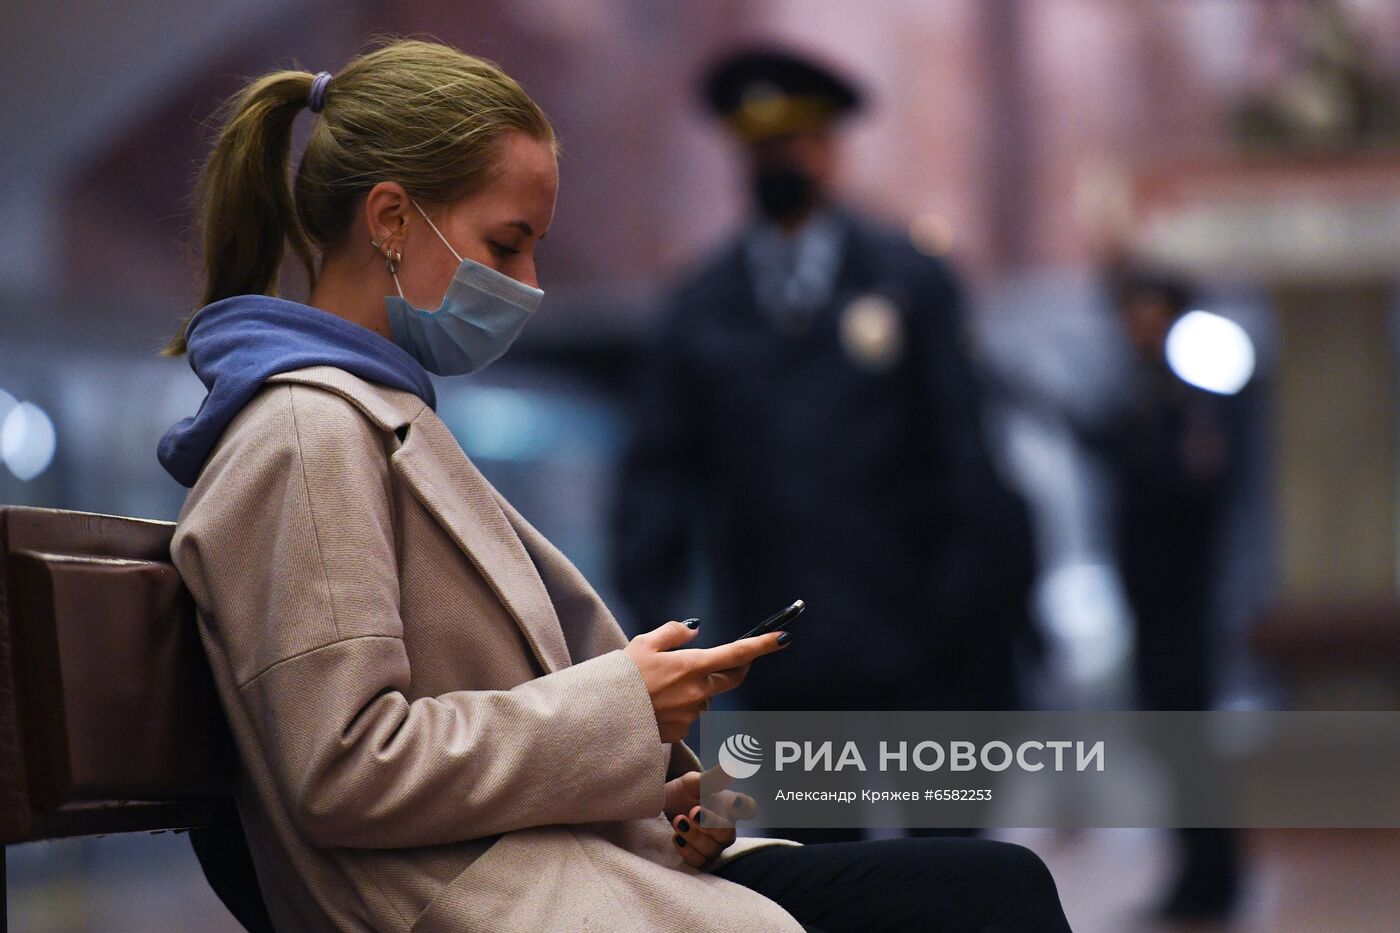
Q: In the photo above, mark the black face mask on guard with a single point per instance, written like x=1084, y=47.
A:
x=782, y=192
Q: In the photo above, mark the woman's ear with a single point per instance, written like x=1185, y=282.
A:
x=386, y=214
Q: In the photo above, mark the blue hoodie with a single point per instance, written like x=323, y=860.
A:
x=237, y=343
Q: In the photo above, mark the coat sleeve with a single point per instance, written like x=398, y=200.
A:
x=987, y=560
x=287, y=545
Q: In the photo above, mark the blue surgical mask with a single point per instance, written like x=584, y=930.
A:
x=480, y=317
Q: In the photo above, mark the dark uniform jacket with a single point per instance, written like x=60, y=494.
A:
x=1173, y=451
x=838, y=458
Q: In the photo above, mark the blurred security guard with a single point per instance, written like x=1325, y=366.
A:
x=809, y=413
x=1174, y=451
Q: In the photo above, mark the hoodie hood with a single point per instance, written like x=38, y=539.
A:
x=237, y=343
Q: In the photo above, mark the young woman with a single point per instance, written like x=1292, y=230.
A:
x=440, y=726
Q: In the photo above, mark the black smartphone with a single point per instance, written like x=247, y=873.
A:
x=776, y=621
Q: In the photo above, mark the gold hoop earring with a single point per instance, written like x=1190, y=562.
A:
x=392, y=257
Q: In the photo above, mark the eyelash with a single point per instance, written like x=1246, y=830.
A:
x=504, y=250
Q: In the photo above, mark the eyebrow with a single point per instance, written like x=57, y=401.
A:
x=525, y=228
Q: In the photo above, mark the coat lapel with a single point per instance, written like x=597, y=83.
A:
x=447, y=484
x=450, y=487
x=589, y=628
x=856, y=273
x=735, y=282
x=857, y=270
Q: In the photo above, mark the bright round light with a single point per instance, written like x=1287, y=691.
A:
x=1210, y=352
x=27, y=440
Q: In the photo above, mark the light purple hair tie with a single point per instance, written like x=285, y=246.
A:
x=317, y=98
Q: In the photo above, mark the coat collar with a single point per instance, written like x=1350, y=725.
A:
x=468, y=507
x=857, y=269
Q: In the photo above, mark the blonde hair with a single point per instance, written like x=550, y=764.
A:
x=418, y=113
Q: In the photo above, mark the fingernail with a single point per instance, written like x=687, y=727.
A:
x=680, y=842
x=692, y=623
x=784, y=638
x=684, y=825
x=700, y=817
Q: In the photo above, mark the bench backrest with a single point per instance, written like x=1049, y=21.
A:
x=108, y=717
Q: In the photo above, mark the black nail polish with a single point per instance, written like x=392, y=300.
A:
x=691, y=623
x=784, y=638
x=700, y=817
x=685, y=826
x=680, y=842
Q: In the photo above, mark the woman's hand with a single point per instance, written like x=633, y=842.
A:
x=705, y=826
x=681, y=682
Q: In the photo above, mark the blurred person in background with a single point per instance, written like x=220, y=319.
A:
x=1173, y=451
x=809, y=425
x=438, y=722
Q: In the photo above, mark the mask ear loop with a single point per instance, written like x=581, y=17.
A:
x=436, y=230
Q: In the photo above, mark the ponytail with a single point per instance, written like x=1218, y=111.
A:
x=422, y=114
x=247, y=215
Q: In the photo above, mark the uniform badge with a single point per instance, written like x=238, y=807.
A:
x=872, y=332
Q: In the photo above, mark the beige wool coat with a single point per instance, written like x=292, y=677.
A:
x=437, y=726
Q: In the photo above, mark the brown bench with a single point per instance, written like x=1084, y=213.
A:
x=109, y=722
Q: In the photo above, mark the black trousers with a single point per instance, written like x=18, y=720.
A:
x=946, y=884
